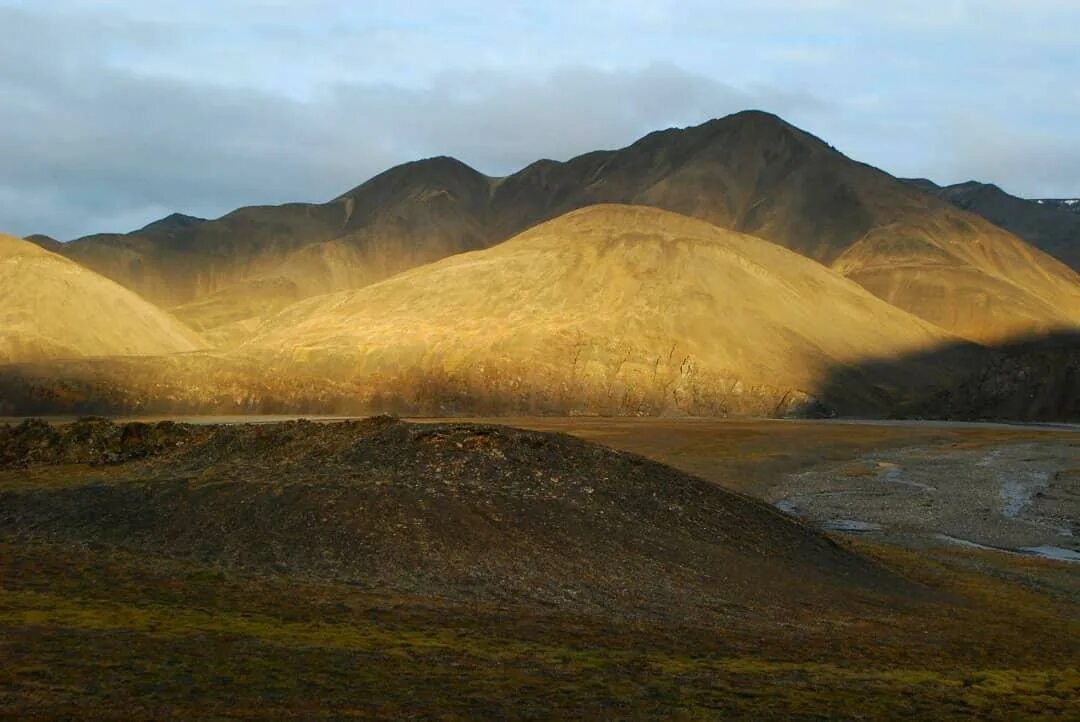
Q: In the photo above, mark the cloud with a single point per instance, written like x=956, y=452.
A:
x=502, y=122
x=90, y=156
x=114, y=112
x=92, y=144
x=977, y=148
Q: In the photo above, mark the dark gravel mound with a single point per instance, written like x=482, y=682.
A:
x=459, y=511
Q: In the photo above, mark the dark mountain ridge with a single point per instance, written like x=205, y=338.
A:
x=750, y=172
x=1072, y=205
x=47, y=242
x=1051, y=225
x=172, y=222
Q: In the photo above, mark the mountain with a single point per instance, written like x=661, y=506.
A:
x=169, y=263
x=51, y=307
x=1072, y=205
x=1052, y=226
x=1028, y=378
x=398, y=220
x=47, y=242
x=750, y=172
x=172, y=223
x=608, y=309
x=755, y=173
x=221, y=275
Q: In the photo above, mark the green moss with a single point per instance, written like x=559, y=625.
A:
x=192, y=653
x=99, y=633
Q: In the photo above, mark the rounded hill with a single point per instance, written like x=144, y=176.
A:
x=457, y=511
x=611, y=308
x=51, y=307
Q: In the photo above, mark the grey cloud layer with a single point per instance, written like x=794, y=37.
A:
x=103, y=127
x=92, y=146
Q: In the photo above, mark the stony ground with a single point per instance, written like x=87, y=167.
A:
x=987, y=496
x=385, y=570
x=461, y=511
x=1023, y=497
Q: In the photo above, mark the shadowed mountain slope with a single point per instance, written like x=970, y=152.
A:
x=170, y=264
x=1035, y=378
x=456, y=511
x=611, y=308
x=1072, y=205
x=749, y=172
x=172, y=223
x=1051, y=226
x=47, y=242
x=209, y=271
x=1030, y=379
x=51, y=307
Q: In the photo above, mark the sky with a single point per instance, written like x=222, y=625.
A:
x=114, y=113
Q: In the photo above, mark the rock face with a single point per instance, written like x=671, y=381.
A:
x=457, y=511
x=51, y=307
x=1052, y=226
x=750, y=172
x=609, y=309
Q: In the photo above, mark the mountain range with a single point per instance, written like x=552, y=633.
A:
x=737, y=267
x=1051, y=225
x=750, y=172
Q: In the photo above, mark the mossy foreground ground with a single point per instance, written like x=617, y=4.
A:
x=94, y=634
x=99, y=630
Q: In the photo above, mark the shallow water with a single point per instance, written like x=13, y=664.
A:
x=851, y=526
x=1044, y=551
x=787, y=506
x=1051, y=552
x=1018, y=493
x=970, y=544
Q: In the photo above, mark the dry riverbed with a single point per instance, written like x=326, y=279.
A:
x=1022, y=498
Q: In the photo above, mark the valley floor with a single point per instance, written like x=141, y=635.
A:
x=96, y=632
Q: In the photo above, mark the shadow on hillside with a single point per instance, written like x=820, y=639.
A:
x=1028, y=379
x=1032, y=378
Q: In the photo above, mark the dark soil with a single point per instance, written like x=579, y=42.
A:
x=457, y=511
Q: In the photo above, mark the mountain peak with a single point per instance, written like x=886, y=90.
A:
x=962, y=194
x=756, y=117
x=759, y=128
x=172, y=222
x=436, y=170
x=974, y=185
x=748, y=120
x=47, y=242
x=923, y=183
